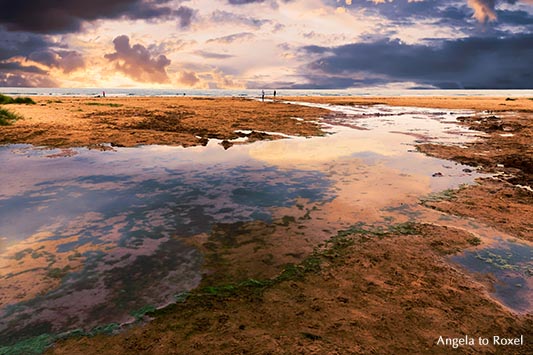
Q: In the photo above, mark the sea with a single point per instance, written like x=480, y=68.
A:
x=124, y=92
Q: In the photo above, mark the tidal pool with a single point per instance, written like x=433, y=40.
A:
x=510, y=263
x=90, y=237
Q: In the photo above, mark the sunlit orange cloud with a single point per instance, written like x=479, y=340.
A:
x=244, y=44
x=225, y=48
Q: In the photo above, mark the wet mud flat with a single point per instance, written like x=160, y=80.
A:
x=301, y=245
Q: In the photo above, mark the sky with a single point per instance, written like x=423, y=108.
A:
x=255, y=44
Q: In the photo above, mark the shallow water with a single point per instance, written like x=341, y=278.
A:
x=510, y=263
x=89, y=237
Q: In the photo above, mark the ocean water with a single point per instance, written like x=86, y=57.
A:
x=121, y=92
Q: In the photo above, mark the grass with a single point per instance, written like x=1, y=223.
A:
x=5, y=100
x=103, y=104
x=7, y=117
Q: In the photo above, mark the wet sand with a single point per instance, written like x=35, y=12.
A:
x=523, y=104
x=392, y=289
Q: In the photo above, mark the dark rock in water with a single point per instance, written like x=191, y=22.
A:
x=203, y=141
x=466, y=170
x=226, y=144
x=118, y=145
x=439, y=174
x=257, y=136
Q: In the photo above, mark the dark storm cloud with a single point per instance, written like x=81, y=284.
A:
x=137, y=62
x=62, y=16
x=483, y=63
x=16, y=67
x=452, y=12
x=15, y=75
x=20, y=44
x=25, y=80
x=67, y=61
x=336, y=82
x=399, y=10
x=32, y=47
x=516, y=17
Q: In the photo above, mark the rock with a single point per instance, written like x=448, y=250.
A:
x=439, y=174
x=226, y=144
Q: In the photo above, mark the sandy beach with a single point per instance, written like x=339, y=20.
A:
x=299, y=284
x=91, y=122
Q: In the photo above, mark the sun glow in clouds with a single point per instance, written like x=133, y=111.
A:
x=252, y=44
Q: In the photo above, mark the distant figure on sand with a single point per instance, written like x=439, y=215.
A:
x=263, y=95
x=274, y=94
x=103, y=93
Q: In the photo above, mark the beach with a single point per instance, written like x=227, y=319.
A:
x=372, y=252
x=91, y=122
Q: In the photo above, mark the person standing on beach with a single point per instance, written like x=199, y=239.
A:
x=103, y=93
x=274, y=94
x=263, y=95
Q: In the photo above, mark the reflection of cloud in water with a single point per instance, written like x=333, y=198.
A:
x=93, y=235
x=510, y=263
x=91, y=229
x=316, y=151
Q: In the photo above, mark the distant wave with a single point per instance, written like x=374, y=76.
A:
x=122, y=92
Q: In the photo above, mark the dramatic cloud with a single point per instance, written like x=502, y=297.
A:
x=20, y=44
x=232, y=43
x=67, y=61
x=62, y=16
x=188, y=78
x=17, y=49
x=485, y=63
x=137, y=62
x=483, y=10
x=15, y=75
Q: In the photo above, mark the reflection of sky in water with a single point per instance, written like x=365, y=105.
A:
x=511, y=263
x=103, y=225
x=188, y=198
x=118, y=213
